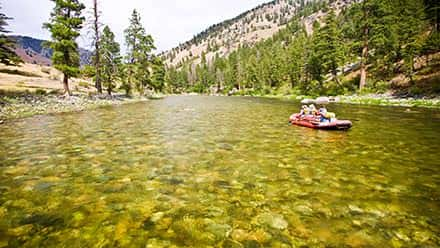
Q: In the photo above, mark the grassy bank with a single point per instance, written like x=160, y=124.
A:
x=372, y=99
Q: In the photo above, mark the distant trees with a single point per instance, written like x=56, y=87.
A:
x=65, y=23
x=138, y=70
x=7, y=54
x=110, y=59
x=329, y=47
x=381, y=38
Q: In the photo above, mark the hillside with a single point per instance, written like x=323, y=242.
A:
x=32, y=51
x=249, y=28
x=329, y=47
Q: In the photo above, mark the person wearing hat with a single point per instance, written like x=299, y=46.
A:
x=304, y=111
x=312, y=110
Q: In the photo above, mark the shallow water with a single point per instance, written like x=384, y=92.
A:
x=223, y=172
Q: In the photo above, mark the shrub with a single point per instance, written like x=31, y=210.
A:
x=20, y=84
x=40, y=92
x=84, y=84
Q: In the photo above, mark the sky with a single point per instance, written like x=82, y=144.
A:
x=170, y=22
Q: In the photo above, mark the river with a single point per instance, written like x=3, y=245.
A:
x=193, y=171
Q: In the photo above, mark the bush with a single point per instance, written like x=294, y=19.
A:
x=40, y=92
x=88, y=71
x=84, y=84
x=20, y=84
x=381, y=86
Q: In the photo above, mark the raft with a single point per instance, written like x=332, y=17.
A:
x=311, y=122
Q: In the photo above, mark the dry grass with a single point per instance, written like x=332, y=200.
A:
x=31, y=78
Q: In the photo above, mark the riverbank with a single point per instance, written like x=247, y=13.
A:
x=14, y=107
x=375, y=99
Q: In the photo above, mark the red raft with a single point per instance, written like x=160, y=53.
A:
x=312, y=122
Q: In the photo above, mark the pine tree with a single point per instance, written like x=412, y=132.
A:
x=139, y=54
x=158, y=77
x=329, y=45
x=110, y=54
x=410, y=30
x=65, y=25
x=97, y=41
x=7, y=54
x=296, y=59
x=371, y=29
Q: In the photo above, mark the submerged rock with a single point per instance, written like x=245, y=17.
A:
x=157, y=216
x=355, y=209
x=220, y=231
x=422, y=236
x=273, y=220
x=304, y=210
x=240, y=235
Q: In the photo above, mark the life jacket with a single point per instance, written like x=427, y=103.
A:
x=330, y=115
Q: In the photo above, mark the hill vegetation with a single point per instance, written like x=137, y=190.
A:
x=369, y=45
x=284, y=47
x=248, y=28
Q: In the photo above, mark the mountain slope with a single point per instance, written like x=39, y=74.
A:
x=249, y=28
x=32, y=51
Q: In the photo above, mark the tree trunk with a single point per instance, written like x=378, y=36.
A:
x=335, y=77
x=67, y=91
x=364, y=58
x=98, y=84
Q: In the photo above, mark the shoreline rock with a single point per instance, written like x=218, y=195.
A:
x=16, y=107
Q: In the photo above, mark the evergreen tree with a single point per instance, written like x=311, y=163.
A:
x=158, y=77
x=7, y=54
x=329, y=46
x=296, y=59
x=139, y=54
x=371, y=30
x=65, y=25
x=110, y=59
x=97, y=41
x=410, y=30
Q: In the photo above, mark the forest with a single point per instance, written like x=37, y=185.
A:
x=360, y=49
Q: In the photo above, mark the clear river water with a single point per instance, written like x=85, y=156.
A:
x=193, y=171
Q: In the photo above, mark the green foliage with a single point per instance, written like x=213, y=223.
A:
x=392, y=33
x=110, y=59
x=7, y=54
x=40, y=92
x=65, y=25
x=141, y=61
x=87, y=71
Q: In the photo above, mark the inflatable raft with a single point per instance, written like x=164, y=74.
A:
x=312, y=122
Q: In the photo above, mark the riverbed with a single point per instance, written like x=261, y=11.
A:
x=196, y=171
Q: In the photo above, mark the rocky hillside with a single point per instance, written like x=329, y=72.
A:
x=32, y=51
x=248, y=28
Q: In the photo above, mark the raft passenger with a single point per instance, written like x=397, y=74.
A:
x=304, y=111
x=323, y=113
x=313, y=110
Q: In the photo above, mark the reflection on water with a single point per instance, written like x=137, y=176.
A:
x=223, y=172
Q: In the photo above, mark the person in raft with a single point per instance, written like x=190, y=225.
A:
x=312, y=110
x=304, y=111
x=325, y=115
